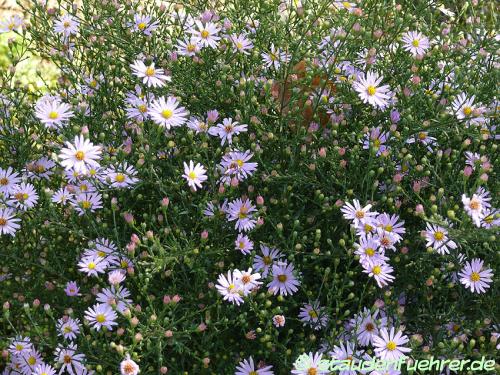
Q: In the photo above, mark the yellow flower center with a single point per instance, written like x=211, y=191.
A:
x=31, y=361
x=141, y=26
x=388, y=228
x=438, y=236
x=239, y=45
x=191, y=47
x=368, y=228
x=313, y=314
x=422, y=136
x=282, y=278
x=240, y=163
x=21, y=197
x=80, y=155
x=192, y=175
x=19, y=347
x=142, y=108
x=231, y=287
x=312, y=371
x=120, y=177
x=415, y=42
x=391, y=345
x=377, y=143
x=267, y=260
x=467, y=111
x=474, y=277
x=377, y=270
x=150, y=71
x=53, y=115
x=370, y=252
x=91, y=266
x=346, y=4
x=371, y=90
x=205, y=34
x=167, y=113
x=273, y=56
x=100, y=318
x=11, y=26
x=66, y=24
x=67, y=329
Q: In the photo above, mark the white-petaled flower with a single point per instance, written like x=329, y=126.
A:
x=275, y=57
x=247, y=367
x=226, y=130
x=390, y=345
x=242, y=211
x=167, y=113
x=279, y=321
x=70, y=360
x=241, y=43
x=474, y=277
x=243, y=244
x=23, y=196
x=380, y=271
x=284, y=281
x=80, y=156
x=313, y=315
x=86, y=202
x=11, y=23
x=93, y=265
x=151, y=76
x=121, y=176
x=8, y=180
x=369, y=91
x=129, y=367
x=8, y=221
x=308, y=364
x=475, y=207
x=194, y=174
x=44, y=369
x=247, y=280
x=358, y=215
x=66, y=25
x=229, y=288
x=437, y=237
x=206, y=34
x=101, y=315
x=465, y=110
x=188, y=47
x=68, y=328
x=415, y=42
x=62, y=196
x=143, y=24
x=52, y=112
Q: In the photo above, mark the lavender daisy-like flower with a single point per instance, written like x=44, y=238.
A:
x=474, y=277
x=242, y=211
x=284, y=281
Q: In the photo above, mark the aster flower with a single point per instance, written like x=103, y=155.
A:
x=93, y=265
x=423, y=138
x=358, y=214
x=30, y=360
x=8, y=179
x=62, y=196
x=243, y=244
x=115, y=297
x=87, y=202
x=129, y=367
x=236, y=164
x=229, y=288
x=226, y=130
x=313, y=315
x=242, y=211
x=23, y=196
x=369, y=90
x=198, y=125
x=206, y=34
x=241, y=43
x=151, y=76
x=52, y=112
x=44, y=369
x=68, y=328
x=188, y=47
x=368, y=250
x=387, y=240
x=491, y=218
x=415, y=42
x=475, y=277
x=437, y=237
x=389, y=345
x=367, y=327
x=263, y=263
x=20, y=345
x=8, y=221
x=143, y=24
x=69, y=359
x=247, y=280
x=101, y=315
x=465, y=110
x=122, y=176
x=475, y=207
x=66, y=25
x=380, y=271
x=80, y=156
x=308, y=364
x=274, y=58
x=284, y=280
x=10, y=23
x=392, y=225
x=247, y=367
x=167, y=113
x=41, y=168
x=376, y=139
x=72, y=289
x=345, y=352
x=194, y=174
